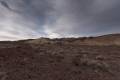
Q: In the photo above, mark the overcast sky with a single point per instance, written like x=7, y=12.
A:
x=22, y=19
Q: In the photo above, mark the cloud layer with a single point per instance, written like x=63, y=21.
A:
x=22, y=19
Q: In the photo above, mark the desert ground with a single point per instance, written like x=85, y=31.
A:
x=94, y=58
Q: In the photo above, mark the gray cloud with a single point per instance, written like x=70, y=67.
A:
x=20, y=19
x=87, y=17
x=5, y=4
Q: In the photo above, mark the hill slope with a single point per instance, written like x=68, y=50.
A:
x=105, y=40
x=61, y=59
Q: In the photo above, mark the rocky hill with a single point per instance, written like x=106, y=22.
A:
x=87, y=58
x=105, y=40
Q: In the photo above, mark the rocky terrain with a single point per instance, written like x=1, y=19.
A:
x=86, y=58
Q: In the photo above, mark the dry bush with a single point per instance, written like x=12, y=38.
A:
x=94, y=64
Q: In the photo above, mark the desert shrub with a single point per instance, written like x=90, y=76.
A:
x=86, y=62
x=59, y=58
x=99, y=57
x=83, y=38
x=91, y=37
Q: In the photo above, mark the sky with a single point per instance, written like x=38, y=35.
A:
x=26, y=19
